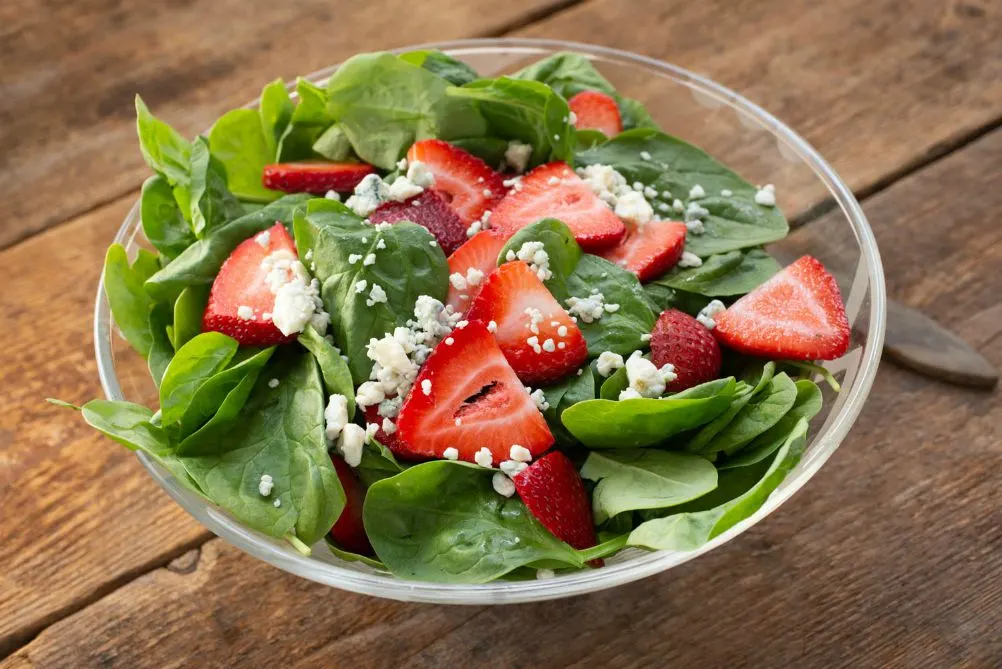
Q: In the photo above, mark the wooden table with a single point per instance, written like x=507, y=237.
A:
x=891, y=556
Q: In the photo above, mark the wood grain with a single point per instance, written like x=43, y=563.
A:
x=888, y=558
x=72, y=69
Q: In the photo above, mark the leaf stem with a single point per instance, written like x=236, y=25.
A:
x=298, y=545
x=814, y=368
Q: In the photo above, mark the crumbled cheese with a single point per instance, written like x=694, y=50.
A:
x=517, y=155
x=644, y=155
x=419, y=174
x=389, y=427
x=556, y=137
x=766, y=196
x=608, y=362
x=535, y=255
x=402, y=164
x=629, y=394
x=475, y=227
x=458, y=281
x=690, y=260
x=492, y=326
x=333, y=195
x=708, y=313
x=520, y=453
x=350, y=444
x=354, y=258
x=263, y=239
x=638, y=187
x=590, y=308
x=572, y=118
x=535, y=318
x=265, y=485
x=458, y=422
x=502, y=485
x=245, y=313
x=645, y=337
x=562, y=331
x=513, y=467
x=376, y=296
x=273, y=383
x=474, y=276
x=695, y=211
x=433, y=243
x=403, y=189
x=382, y=227
x=369, y=260
x=335, y=417
x=371, y=192
x=297, y=295
x=360, y=286
x=549, y=346
x=487, y=192
x=650, y=192
x=695, y=226
x=381, y=244
x=544, y=574
x=390, y=407
x=726, y=193
x=369, y=393
x=634, y=208
x=645, y=377
x=696, y=192
x=533, y=342
x=608, y=184
x=484, y=457
x=449, y=341
x=462, y=324
x=277, y=503
x=539, y=397
x=450, y=453
x=426, y=386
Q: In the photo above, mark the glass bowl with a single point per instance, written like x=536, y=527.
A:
x=736, y=131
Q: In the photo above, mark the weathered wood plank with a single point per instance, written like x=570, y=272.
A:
x=888, y=558
x=71, y=71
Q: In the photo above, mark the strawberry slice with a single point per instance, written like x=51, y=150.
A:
x=390, y=441
x=430, y=211
x=240, y=297
x=681, y=340
x=555, y=191
x=315, y=177
x=553, y=492
x=468, y=184
x=798, y=314
x=596, y=111
x=467, y=398
x=538, y=337
x=649, y=250
x=348, y=532
x=480, y=252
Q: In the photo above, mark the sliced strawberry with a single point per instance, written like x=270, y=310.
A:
x=596, y=111
x=240, y=300
x=473, y=401
x=429, y=210
x=468, y=184
x=348, y=532
x=538, y=337
x=480, y=252
x=315, y=177
x=798, y=314
x=649, y=250
x=681, y=340
x=553, y=492
x=390, y=441
x=555, y=191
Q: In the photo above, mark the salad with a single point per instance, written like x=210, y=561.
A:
x=463, y=329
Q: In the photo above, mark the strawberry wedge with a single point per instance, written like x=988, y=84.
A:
x=553, y=492
x=682, y=341
x=315, y=177
x=596, y=111
x=432, y=212
x=467, y=183
x=798, y=314
x=479, y=253
x=466, y=399
x=649, y=250
x=555, y=191
x=348, y=532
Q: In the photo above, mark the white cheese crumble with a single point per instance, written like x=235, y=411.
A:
x=369, y=260
x=263, y=239
x=265, y=485
x=502, y=485
x=381, y=244
x=484, y=457
x=350, y=444
x=360, y=286
x=549, y=346
x=644, y=155
x=297, y=295
x=590, y=308
x=520, y=453
x=335, y=417
x=517, y=155
x=535, y=255
x=403, y=189
x=544, y=574
x=419, y=175
x=458, y=281
x=354, y=258
x=629, y=394
x=370, y=192
x=677, y=205
x=539, y=397
x=376, y=296
x=690, y=260
x=695, y=226
x=389, y=427
x=245, y=313
x=277, y=503
x=726, y=193
x=708, y=313
x=645, y=337
x=450, y=453
x=695, y=211
x=572, y=118
x=608, y=362
x=513, y=467
x=766, y=196
x=273, y=383
x=696, y=192
x=333, y=195
x=633, y=207
x=645, y=378
x=426, y=387
x=492, y=326
x=369, y=393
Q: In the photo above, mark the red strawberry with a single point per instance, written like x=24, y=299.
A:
x=555, y=495
x=796, y=315
x=315, y=177
x=538, y=337
x=390, y=441
x=241, y=283
x=596, y=111
x=429, y=210
x=479, y=252
x=649, y=250
x=473, y=401
x=681, y=340
x=555, y=191
x=468, y=184
x=348, y=532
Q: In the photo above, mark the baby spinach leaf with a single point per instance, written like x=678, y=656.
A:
x=734, y=222
x=209, y=397
x=524, y=110
x=558, y=242
x=763, y=411
x=378, y=463
x=348, y=556
x=337, y=376
x=163, y=148
x=633, y=479
x=662, y=297
x=644, y=422
x=614, y=385
x=279, y=432
x=161, y=347
x=239, y=142
x=212, y=203
x=405, y=268
x=712, y=515
x=163, y=222
x=200, y=262
x=309, y=120
x=275, y=111
x=456, y=72
x=130, y=303
x=607, y=548
x=567, y=393
x=333, y=144
x=188, y=310
x=806, y=407
x=635, y=115
x=742, y=395
x=385, y=104
x=194, y=364
x=227, y=411
x=724, y=274
x=491, y=150
x=620, y=331
x=442, y=521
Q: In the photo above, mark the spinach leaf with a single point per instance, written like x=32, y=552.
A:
x=558, y=242
x=742, y=395
x=442, y=521
x=733, y=222
x=333, y=144
x=337, y=376
x=163, y=148
x=806, y=407
x=200, y=262
x=279, y=432
x=456, y=72
x=763, y=411
x=239, y=142
x=163, y=222
x=725, y=274
x=617, y=382
x=275, y=111
x=645, y=422
x=348, y=556
x=130, y=303
x=212, y=203
x=194, y=363
x=385, y=104
x=621, y=331
x=378, y=463
x=161, y=347
x=309, y=120
x=633, y=479
x=406, y=266
x=209, y=397
x=524, y=110
x=662, y=297
x=712, y=515
x=491, y=150
x=566, y=394
x=188, y=310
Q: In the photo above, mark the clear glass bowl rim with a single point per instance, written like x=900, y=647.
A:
x=503, y=592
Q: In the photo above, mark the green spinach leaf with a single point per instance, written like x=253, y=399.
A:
x=209, y=397
x=275, y=111
x=198, y=360
x=348, y=556
x=742, y=395
x=378, y=463
x=617, y=382
x=567, y=393
x=161, y=347
x=163, y=221
x=310, y=119
x=163, y=148
x=491, y=150
x=333, y=144
x=188, y=310
x=337, y=376
x=807, y=406
x=558, y=242
x=721, y=275
x=456, y=72
x=764, y=410
x=130, y=303
x=662, y=297
x=239, y=142
x=212, y=203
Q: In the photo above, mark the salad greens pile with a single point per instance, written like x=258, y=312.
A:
x=667, y=473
